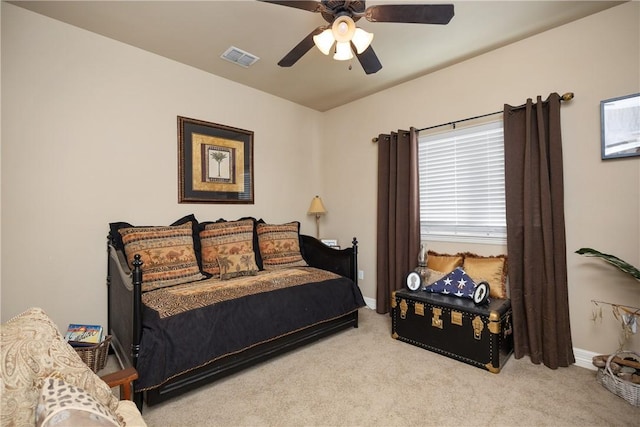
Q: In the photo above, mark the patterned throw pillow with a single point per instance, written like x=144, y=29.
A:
x=65, y=405
x=280, y=245
x=237, y=265
x=224, y=239
x=443, y=262
x=167, y=253
x=490, y=269
x=116, y=238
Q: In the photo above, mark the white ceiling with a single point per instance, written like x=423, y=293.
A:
x=196, y=33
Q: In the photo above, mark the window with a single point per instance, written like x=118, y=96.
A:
x=462, y=185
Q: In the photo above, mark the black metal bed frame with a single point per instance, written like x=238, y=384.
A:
x=125, y=320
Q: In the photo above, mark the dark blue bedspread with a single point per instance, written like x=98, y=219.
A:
x=172, y=345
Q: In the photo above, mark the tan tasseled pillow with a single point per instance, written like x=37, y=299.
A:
x=434, y=276
x=490, y=269
x=443, y=262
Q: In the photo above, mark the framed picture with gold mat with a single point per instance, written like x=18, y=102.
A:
x=215, y=163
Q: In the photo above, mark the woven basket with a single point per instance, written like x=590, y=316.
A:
x=95, y=356
x=625, y=389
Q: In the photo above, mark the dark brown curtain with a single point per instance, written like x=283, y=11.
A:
x=536, y=232
x=398, y=235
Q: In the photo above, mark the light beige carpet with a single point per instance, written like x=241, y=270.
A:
x=363, y=377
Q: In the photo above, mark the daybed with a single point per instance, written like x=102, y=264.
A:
x=192, y=302
x=45, y=381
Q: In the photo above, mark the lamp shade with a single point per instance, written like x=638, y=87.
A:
x=317, y=207
x=343, y=51
x=324, y=41
x=361, y=40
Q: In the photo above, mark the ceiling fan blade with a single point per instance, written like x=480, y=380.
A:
x=310, y=5
x=369, y=60
x=301, y=48
x=411, y=13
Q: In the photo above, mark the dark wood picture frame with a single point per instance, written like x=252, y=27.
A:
x=620, y=126
x=215, y=163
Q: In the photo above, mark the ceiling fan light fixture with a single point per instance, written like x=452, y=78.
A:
x=343, y=51
x=324, y=41
x=341, y=15
x=361, y=40
x=343, y=28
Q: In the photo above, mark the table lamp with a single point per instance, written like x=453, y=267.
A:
x=317, y=209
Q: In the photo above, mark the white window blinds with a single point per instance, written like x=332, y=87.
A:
x=462, y=193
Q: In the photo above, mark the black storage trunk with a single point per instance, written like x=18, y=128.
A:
x=479, y=335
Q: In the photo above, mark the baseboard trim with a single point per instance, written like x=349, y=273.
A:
x=370, y=302
x=584, y=358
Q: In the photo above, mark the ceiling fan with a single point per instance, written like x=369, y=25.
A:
x=342, y=15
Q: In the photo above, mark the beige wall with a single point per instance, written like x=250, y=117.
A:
x=597, y=58
x=88, y=121
x=89, y=137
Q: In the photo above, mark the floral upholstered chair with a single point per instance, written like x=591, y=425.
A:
x=45, y=383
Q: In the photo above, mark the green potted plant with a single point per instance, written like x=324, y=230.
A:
x=620, y=372
x=626, y=315
x=611, y=259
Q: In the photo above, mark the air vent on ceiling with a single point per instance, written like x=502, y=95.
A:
x=239, y=56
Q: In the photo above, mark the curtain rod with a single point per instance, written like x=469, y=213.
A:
x=566, y=97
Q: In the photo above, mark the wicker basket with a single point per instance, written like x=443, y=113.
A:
x=625, y=389
x=95, y=356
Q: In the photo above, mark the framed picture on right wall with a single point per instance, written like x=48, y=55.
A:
x=620, y=126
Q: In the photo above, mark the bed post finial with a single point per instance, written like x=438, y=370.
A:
x=137, y=269
x=354, y=262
